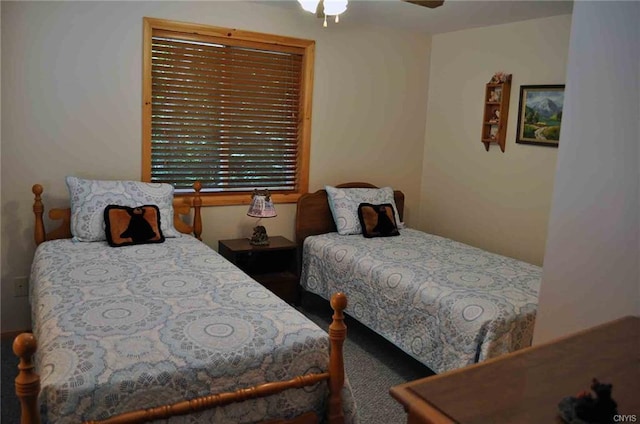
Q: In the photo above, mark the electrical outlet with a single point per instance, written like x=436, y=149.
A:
x=20, y=287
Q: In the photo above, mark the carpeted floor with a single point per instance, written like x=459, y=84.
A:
x=9, y=406
x=373, y=365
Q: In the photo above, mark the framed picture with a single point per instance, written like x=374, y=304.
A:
x=540, y=114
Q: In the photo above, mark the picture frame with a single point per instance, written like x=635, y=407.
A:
x=540, y=114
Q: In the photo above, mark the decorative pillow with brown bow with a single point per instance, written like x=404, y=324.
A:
x=377, y=220
x=126, y=226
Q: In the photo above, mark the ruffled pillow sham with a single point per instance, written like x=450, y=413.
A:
x=344, y=203
x=89, y=198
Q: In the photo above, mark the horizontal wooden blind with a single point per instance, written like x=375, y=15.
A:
x=224, y=112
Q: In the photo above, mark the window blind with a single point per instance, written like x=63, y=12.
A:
x=225, y=113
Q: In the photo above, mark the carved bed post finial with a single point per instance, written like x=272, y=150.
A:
x=38, y=210
x=337, y=336
x=197, y=204
x=27, y=382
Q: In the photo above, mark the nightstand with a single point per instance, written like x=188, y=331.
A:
x=274, y=266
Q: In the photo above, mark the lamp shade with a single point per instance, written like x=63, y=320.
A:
x=261, y=205
x=335, y=7
x=309, y=5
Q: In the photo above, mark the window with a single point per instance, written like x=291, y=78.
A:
x=228, y=108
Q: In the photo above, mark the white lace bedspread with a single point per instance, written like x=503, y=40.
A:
x=124, y=328
x=445, y=303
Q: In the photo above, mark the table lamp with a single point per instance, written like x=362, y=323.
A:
x=261, y=207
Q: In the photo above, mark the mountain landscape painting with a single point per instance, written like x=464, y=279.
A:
x=540, y=114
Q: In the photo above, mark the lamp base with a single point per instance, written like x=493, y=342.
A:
x=259, y=237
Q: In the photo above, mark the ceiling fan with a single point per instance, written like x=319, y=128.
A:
x=429, y=3
x=323, y=9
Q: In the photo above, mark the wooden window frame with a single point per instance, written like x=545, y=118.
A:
x=306, y=86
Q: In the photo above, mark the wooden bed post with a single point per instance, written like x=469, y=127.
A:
x=197, y=204
x=38, y=210
x=337, y=336
x=27, y=382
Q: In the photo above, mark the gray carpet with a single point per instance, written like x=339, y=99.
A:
x=373, y=365
x=9, y=406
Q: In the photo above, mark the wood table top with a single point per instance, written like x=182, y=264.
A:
x=243, y=245
x=526, y=386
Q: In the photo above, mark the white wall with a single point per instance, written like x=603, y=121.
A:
x=493, y=200
x=71, y=91
x=591, y=262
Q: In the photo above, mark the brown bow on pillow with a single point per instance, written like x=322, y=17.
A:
x=126, y=226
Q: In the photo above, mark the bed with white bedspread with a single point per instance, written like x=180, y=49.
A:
x=168, y=330
x=445, y=303
x=124, y=327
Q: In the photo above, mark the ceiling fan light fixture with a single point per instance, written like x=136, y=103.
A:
x=309, y=5
x=324, y=8
x=335, y=7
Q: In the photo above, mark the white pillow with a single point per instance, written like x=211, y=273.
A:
x=344, y=202
x=89, y=198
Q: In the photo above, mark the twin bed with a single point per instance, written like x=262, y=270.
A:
x=445, y=303
x=153, y=330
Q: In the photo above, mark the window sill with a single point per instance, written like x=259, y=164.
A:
x=215, y=199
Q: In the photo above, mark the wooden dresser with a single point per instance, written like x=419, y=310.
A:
x=526, y=386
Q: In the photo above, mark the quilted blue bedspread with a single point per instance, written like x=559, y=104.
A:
x=123, y=328
x=445, y=303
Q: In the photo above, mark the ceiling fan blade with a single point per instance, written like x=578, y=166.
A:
x=427, y=3
x=320, y=9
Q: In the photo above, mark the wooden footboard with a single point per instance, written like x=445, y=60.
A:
x=64, y=214
x=27, y=384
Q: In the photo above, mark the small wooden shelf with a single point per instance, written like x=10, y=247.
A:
x=496, y=112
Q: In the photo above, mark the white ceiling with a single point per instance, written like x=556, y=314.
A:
x=453, y=15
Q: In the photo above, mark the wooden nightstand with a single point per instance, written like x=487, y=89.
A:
x=274, y=266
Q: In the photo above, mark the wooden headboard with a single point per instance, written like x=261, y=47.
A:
x=313, y=215
x=64, y=229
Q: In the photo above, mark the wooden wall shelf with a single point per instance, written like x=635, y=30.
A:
x=496, y=111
